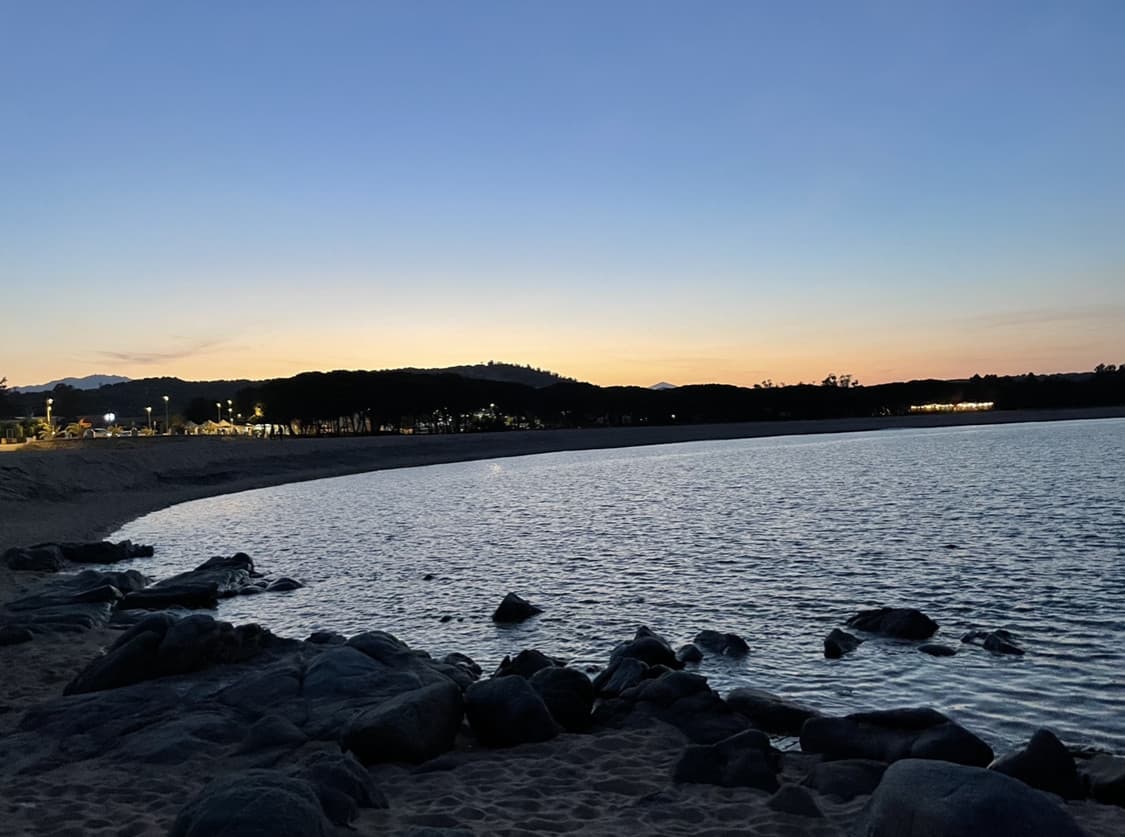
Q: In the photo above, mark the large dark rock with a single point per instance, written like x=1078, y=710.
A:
x=689, y=653
x=1044, y=763
x=922, y=798
x=102, y=552
x=505, y=711
x=999, y=641
x=256, y=803
x=678, y=698
x=618, y=676
x=742, y=760
x=769, y=712
x=46, y=558
x=648, y=647
x=936, y=649
x=284, y=584
x=161, y=645
x=892, y=735
x=526, y=663
x=731, y=645
x=1104, y=775
x=514, y=609
x=896, y=622
x=412, y=727
x=216, y=578
x=845, y=779
x=342, y=785
x=568, y=694
x=838, y=643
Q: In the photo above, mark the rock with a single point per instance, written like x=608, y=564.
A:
x=679, y=698
x=46, y=558
x=326, y=638
x=999, y=641
x=526, y=663
x=742, y=760
x=619, y=676
x=689, y=653
x=892, y=735
x=648, y=647
x=896, y=622
x=412, y=727
x=731, y=645
x=505, y=711
x=10, y=635
x=283, y=584
x=568, y=694
x=102, y=552
x=255, y=802
x=921, y=798
x=464, y=662
x=428, y=577
x=838, y=643
x=935, y=649
x=271, y=732
x=794, y=799
x=212, y=580
x=342, y=785
x=1045, y=764
x=769, y=712
x=514, y=609
x=1105, y=776
x=845, y=779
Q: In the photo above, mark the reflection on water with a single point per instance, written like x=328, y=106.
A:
x=779, y=540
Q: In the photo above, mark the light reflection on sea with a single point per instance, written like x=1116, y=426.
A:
x=779, y=540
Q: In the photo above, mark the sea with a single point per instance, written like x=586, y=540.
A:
x=780, y=540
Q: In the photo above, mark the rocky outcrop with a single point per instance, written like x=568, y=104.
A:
x=513, y=609
x=689, y=653
x=46, y=558
x=895, y=622
x=742, y=760
x=768, y=712
x=216, y=578
x=838, y=643
x=161, y=645
x=892, y=735
x=1104, y=777
x=525, y=663
x=71, y=603
x=648, y=647
x=255, y=802
x=920, y=798
x=1045, y=764
x=845, y=779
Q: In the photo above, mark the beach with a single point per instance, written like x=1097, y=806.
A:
x=615, y=778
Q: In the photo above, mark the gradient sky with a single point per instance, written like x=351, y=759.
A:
x=623, y=192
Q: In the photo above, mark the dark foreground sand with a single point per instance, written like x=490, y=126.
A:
x=610, y=782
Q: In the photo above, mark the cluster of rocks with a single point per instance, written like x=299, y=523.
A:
x=65, y=602
x=909, y=624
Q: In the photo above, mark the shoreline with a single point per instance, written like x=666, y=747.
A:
x=83, y=490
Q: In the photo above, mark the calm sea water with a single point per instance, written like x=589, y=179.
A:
x=779, y=540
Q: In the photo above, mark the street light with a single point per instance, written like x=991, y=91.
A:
x=219, y=409
x=230, y=410
x=167, y=424
x=149, y=411
x=51, y=427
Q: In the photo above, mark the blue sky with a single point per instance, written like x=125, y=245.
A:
x=623, y=192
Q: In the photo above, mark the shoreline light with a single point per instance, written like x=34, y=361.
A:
x=959, y=407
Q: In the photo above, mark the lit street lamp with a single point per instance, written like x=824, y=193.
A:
x=149, y=411
x=219, y=410
x=51, y=426
x=230, y=410
x=167, y=424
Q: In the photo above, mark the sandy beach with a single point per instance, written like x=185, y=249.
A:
x=612, y=780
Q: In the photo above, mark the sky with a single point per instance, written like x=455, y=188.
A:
x=621, y=192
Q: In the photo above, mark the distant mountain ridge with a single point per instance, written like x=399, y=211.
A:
x=508, y=373
x=87, y=382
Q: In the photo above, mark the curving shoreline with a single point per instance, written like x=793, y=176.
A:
x=83, y=490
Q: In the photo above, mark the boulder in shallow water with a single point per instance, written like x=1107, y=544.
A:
x=525, y=663
x=999, y=641
x=513, y=609
x=895, y=622
x=730, y=645
x=103, y=552
x=894, y=734
x=216, y=578
x=689, y=653
x=412, y=727
x=935, y=649
x=505, y=711
x=648, y=647
x=1044, y=764
x=838, y=643
x=923, y=798
x=284, y=585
